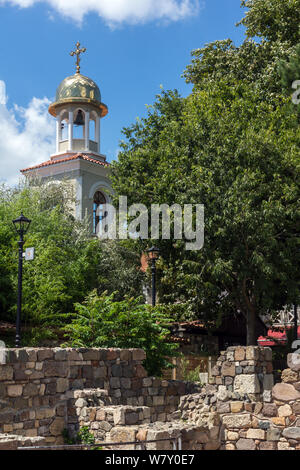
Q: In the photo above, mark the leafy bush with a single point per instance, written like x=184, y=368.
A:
x=102, y=322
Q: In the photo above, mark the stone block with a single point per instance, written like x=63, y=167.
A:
x=228, y=369
x=296, y=408
x=223, y=407
x=237, y=406
x=279, y=421
x=7, y=417
x=122, y=434
x=140, y=371
x=101, y=415
x=292, y=433
x=267, y=396
x=112, y=354
x=283, y=446
x=285, y=392
x=237, y=421
x=105, y=426
x=90, y=355
x=55, y=369
x=6, y=372
x=116, y=370
x=142, y=435
x=131, y=418
x=239, y=353
x=285, y=411
x=147, y=382
x=270, y=410
x=44, y=354
x=138, y=355
x=266, y=445
x=229, y=447
x=158, y=400
x=232, y=436
x=289, y=375
x=268, y=381
x=30, y=390
x=245, y=444
x=125, y=355
x=252, y=353
x=14, y=390
x=128, y=371
x=57, y=426
x=293, y=361
x=115, y=382
x=100, y=372
x=255, y=434
x=246, y=383
x=62, y=385
x=125, y=383
x=80, y=403
x=60, y=354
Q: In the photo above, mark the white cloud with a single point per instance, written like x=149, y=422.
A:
x=115, y=12
x=27, y=136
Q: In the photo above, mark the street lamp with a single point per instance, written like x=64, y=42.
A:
x=153, y=255
x=21, y=225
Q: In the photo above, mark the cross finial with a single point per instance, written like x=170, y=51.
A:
x=77, y=53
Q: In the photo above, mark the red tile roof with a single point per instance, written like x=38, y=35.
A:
x=79, y=156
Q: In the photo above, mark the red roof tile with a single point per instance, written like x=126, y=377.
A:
x=79, y=156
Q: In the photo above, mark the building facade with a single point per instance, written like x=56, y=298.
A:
x=78, y=110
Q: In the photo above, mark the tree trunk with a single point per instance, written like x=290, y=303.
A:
x=251, y=328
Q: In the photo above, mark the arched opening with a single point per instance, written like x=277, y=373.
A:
x=63, y=131
x=98, y=211
x=79, y=120
x=92, y=129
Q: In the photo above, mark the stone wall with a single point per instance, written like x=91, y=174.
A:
x=262, y=417
x=43, y=391
x=246, y=371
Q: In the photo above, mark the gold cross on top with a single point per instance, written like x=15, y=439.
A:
x=77, y=53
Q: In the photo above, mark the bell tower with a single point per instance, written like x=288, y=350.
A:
x=78, y=105
x=78, y=110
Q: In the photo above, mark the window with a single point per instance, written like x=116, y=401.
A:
x=98, y=211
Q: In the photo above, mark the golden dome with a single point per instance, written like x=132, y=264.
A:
x=78, y=89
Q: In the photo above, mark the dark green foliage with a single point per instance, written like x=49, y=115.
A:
x=233, y=145
x=101, y=322
x=68, y=262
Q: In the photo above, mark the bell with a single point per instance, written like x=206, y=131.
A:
x=79, y=121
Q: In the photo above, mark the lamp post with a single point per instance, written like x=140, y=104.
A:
x=153, y=255
x=21, y=225
x=295, y=322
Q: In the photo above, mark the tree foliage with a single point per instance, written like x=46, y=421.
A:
x=68, y=263
x=232, y=145
x=238, y=156
x=102, y=322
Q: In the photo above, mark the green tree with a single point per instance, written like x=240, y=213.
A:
x=68, y=262
x=101, y=322
x=239, y=156
x=276, y=23
x=232, y=145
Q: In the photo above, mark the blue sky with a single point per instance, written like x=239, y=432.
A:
x=132, y=48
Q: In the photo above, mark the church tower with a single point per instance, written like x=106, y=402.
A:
x=78, y=111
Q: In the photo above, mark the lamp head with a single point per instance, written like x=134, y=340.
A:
x=21, y=224
x=153, y=253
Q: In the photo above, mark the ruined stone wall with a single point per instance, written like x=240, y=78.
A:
x=251, y=413
x=43, y=391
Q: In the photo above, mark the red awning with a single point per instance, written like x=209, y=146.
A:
x=278, y=335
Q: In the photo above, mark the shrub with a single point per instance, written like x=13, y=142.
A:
x=101, y=322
